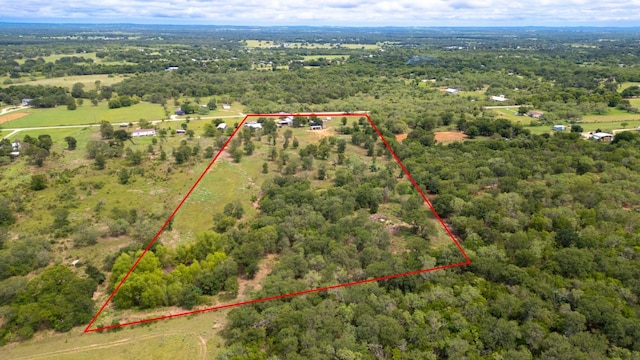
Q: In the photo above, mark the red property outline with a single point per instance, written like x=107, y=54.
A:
x=219, y=307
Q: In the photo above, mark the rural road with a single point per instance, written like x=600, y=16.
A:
x=10, y=109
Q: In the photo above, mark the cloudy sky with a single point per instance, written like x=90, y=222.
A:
x=329, y=12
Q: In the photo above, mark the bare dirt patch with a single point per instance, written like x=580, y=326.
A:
x=265, y=267
x=400, y=137
x=445, y=136
x=12, y=116
x=328, y=131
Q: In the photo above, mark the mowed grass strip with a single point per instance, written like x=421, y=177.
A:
x=86, y=114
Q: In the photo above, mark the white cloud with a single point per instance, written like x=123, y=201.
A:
x=331, y=12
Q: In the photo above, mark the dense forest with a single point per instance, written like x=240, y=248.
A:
x=549, y=221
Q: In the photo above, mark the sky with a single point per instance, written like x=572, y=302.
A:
x=329, y=12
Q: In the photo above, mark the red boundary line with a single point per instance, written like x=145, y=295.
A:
x=387, y=277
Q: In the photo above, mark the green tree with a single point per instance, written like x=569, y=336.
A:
x=38, y=182
x=71, y=142
x=237, y=155
x=249, y=147
x=123, y=176
x=234, y=209
x=77, y=90
x=106, y=129
x=472, y=131
x=71, y=103
x=576, y=128
x=99, y=162
x=85, y=235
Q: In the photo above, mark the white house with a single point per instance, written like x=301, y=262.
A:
x=559, y=127
x=499, y=98
x=253, y=124
x=143, y=132
x=221, y=126
x=226, y=107
x=452, y=91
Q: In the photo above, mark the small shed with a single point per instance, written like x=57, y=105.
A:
x=559, y=128
x=221, y=126
x=316, y=127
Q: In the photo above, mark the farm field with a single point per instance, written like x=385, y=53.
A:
x=68, y=81
x=85, y=114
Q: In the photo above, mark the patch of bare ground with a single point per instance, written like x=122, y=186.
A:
x=12, y=116
x=247, y=285
x=446, y=136
x=400, y=137
x=328, y=131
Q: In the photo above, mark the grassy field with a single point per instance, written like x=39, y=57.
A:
x=86, y=114
x=181, y=338
x=507, y=113
x=68, y=81
x=612, y=115
x=611, y=125
x=627, y=84
x=54, y=57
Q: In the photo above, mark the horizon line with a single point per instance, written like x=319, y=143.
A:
x=55, y=22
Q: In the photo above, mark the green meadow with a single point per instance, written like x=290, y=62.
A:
x=190, y=337
x=86, y=114
x=89, y=81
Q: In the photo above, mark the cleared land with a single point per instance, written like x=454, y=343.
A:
x=84, y=114
x=447, y=136
x=89, y=81
x=627, y=84
x=12, y=116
